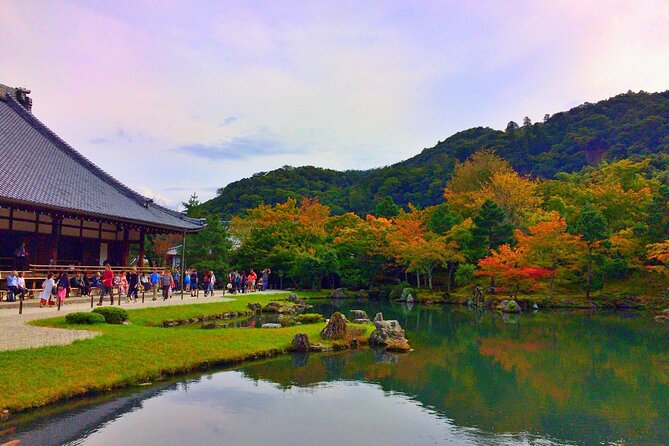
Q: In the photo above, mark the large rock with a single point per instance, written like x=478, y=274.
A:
x=301, y=343
x=272, y=307
x=509, y=306
x=301, y=308
x=378, y=317
x=255, y=307
x=389, y=334
x=358, y=314
x=339, y=293
x=336, y=327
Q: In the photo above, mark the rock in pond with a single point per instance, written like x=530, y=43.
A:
x=509, y=306
x=389, y=334
x=358, y=314
x=378, y=317
x=301, y=343
x=339, y=293
x=269, y=325
x=336, y=327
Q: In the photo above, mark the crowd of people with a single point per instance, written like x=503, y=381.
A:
x=128, y=284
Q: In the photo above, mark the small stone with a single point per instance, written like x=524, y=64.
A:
x=378, y=317
x=270, y=325
x=292, y=298
x=208, y=325
x=272, y=307
x=301, y=342
x=339, y=293
x=361, y=321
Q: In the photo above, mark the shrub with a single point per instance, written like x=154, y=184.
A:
x=309, y=318
x=112, y=315
x=396, y=292
x=84, y=318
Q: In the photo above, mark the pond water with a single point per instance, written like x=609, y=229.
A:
x=475, y=378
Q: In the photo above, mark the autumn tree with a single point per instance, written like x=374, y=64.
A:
x=511, y=268
x=549, y=246
x=658, y=254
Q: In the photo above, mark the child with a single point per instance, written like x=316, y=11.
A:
x=118, y=284
x=46, y=296
x=259, y=285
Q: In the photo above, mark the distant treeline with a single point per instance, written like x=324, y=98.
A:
x=628, y=126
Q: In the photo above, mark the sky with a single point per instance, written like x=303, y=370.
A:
x=176, y=97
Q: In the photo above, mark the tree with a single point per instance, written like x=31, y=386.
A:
x=592, y=226
x=387, y=208
x=491, y=228
x=659, y=254
x=440, y=219
x=549, y=246
x=210, y=248
x=194, y=208
x=511, y=126
x=527, y=121
x=509, y=266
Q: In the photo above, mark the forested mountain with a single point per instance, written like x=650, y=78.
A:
x=626, y=126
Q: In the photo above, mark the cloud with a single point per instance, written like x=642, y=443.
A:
x=242, y=147
x=227, y=121
x=121, y=136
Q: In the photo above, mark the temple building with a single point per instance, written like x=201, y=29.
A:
x=62, y=206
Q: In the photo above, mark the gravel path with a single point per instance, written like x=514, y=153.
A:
x=15, y=334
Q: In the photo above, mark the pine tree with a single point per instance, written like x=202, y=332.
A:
x=491, y=229
x=592, y=225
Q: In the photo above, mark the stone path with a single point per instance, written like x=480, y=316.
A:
x=15, y=334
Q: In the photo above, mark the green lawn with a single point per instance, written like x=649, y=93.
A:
x=135, y=353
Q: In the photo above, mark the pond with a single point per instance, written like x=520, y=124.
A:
x=475, y=378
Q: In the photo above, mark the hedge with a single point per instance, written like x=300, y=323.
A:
x=84, y=318
x=112, y=315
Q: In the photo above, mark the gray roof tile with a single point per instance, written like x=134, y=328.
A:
x=38, y=167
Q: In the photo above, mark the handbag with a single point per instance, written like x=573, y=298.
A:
x=54, y=290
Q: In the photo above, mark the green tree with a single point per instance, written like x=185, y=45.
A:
x=387, y=208
x=591, y=224
x=194, y=208
x=440, y=219
x=210, y=248
x=491, y=228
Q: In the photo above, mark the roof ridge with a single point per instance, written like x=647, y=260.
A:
x=68, y=149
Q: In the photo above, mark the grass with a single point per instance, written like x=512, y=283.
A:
x=130, y=354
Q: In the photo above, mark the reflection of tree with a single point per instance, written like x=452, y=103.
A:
x=542, y=374
x=300, y=359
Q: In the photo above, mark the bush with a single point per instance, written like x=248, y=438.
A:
x=84, y=318
x=112, y=315
x=309, y=318
x=396, y=292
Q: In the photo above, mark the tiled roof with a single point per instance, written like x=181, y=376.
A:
x=41, y=169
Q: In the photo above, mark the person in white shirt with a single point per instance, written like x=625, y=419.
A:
x=46, y=296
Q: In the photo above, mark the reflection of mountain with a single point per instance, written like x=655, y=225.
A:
x=578, y=377
x=78, y=422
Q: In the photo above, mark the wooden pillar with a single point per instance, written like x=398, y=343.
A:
x=55, y=238
x=142, y=253
x=125, y=247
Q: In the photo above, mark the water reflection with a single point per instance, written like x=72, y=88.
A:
x=474, y=378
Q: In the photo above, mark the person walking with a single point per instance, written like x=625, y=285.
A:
x=155, y=282
x=167, y=282
x=193, y=283
x=206, y=282
x=107, y=285
x=63, y=287
x=187, y=280
x=265, y=278
x=133, y=284
x=251, y=281
x=212, y=283
x=46, y=296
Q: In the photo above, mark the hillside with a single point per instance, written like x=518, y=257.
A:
x=627, y=125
